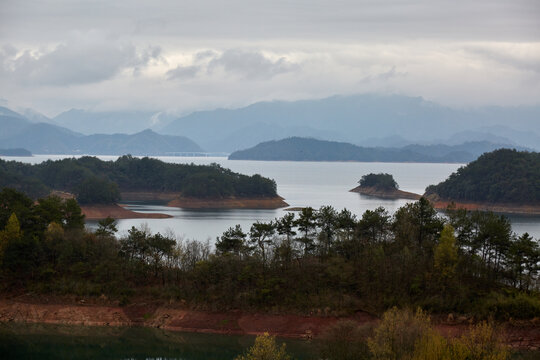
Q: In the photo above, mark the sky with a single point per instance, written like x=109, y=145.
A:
x=180, y=56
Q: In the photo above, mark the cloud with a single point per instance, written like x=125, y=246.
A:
x=517, y=56
x=83, y=59
x=183, y=72
x=251, y=64
x=383, y=76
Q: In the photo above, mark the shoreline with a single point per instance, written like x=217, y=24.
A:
x=519, y=335
x=497, y=208
x=175, y=199
x=98, y=212
x=230, y=203
x=393, y=194
x=442, y=205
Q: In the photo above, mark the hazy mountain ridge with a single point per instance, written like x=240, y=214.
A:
x=44, y=138
x=111, y=122
x=308, y=149
x=356, y=118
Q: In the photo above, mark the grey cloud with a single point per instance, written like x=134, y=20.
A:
x=82, y=60
x=204, y=55
x=183, y=72
x=528, y=61
x=250, y=64
x=384, y=76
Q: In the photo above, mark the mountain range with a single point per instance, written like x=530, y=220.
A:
x=45, y=138
x=375, y=119
x=365, y=120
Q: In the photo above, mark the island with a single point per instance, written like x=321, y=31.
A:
x=506, y=181
x=97, y=185
x=309, y=149
x=382, y=186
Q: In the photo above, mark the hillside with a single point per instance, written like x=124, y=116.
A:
x=304, y=149
x=500, y=177
x=45, y=138
x=96, y=181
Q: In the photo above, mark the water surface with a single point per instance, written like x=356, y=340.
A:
x=301, y=184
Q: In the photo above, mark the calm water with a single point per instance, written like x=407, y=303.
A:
x=301, y=184
x=44, y=342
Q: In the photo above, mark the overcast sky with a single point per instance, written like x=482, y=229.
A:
x=186, y=55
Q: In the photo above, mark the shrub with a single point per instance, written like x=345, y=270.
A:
x=345, y=340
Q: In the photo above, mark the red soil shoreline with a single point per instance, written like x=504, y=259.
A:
x=175, y=199
x=525, y=335
x=97, y=212
x=233, y=203
x=385, y=194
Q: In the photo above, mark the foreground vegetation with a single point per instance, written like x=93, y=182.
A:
x=502, y=176
x=95, y=181
x=401, y=335
x=321, y=261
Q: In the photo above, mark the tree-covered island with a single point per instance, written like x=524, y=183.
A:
x=382, y=185
x=503, y=180
x=94, y=181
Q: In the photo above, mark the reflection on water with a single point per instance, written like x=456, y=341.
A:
x=44, y=341
x=301, y=184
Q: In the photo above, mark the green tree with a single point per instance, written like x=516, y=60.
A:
x=232, y=241
x=106, y=227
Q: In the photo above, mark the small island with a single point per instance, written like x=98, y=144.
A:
x=100, y=185
x=506, y=181
x=382, y=186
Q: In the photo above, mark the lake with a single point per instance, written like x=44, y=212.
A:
x=46, y=341
x=301, y=184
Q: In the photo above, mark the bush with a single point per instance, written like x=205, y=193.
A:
x=512, y=305
x=345, y=340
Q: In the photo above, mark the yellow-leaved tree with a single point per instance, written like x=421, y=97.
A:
x=12, y=232
x=446, y=257
x=265, y=348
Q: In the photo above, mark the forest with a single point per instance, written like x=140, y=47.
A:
x=501, y=176
x=466, y=263
x=95, y=181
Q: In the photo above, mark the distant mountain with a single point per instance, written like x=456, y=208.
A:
x=353, y=119
x=15, y=152
x=304, y=149
x=43, y=138
x=130, y=122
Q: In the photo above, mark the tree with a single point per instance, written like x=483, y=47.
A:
x=233, y=241
x=11, y=233
x=306, y=223
x=106, y=227
x=265, y=348
x=523, y=260
x=260, y=234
